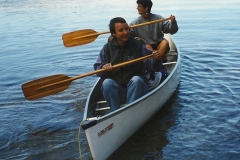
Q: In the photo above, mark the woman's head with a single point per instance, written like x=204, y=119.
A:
x=146, y=4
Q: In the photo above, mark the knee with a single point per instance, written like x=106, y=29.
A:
x=107, y=83
x=164, y=45
x=137, y=80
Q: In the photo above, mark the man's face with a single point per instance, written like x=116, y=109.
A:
x=141, y=9
x=122, y=32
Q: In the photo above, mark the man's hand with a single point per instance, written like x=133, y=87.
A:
x=107, y=67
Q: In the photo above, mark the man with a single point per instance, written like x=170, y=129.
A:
x=128, y=83
x=153, y=33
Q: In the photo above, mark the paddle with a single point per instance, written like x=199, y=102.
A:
x=85, y=36
x=56, y=83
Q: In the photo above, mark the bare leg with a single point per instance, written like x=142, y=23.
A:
x=163, y=47
x=149, y=47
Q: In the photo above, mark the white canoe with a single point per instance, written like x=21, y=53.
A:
x=106, y=131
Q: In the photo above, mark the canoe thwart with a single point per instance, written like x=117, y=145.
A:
x=102, y=106
x=167, y=63
x=100, y=102
x=101, y=109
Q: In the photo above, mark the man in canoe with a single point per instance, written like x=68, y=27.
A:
x=153, y=33
x=127, y=83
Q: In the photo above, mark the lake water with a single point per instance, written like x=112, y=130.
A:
x=200, y=121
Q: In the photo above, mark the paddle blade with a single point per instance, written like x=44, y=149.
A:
x=45, y=86
x=79, y=37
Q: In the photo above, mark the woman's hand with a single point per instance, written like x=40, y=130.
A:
x=173, y=19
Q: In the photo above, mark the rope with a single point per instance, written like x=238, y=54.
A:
x=79, y=145
x=79, y=132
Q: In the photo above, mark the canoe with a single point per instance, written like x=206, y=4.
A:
x=106, y=131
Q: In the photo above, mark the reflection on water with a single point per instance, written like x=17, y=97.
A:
x=200, y=121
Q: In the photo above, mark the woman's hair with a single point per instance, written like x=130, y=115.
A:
x=146, y=3
x=113, y=21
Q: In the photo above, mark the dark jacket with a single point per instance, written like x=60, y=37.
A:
x=113, y=53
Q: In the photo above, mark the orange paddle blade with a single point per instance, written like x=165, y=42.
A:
x=80, y=37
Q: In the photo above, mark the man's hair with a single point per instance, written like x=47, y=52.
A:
x=146, y=3
x=112, y=23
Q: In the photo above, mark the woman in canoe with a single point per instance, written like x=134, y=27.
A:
x=153, y=34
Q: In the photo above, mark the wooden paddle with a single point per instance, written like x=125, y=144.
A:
x=56, y=83
x=85, y=36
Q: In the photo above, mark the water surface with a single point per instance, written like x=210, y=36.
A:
x=200, y=121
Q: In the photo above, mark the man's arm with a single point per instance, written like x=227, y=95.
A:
x=100, y=62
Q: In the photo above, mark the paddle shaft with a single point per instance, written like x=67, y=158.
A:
x=86, y=36
x=151, y=22
x=56, y=83
x=133, y=26
x=100, y=70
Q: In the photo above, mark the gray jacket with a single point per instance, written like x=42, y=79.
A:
x=153, y=33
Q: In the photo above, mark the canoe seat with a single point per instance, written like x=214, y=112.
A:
x=171, y=53
x=172, y=56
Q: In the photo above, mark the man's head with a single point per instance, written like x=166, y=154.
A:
x=119, y=29
x=145, y=4
x=113, y=22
